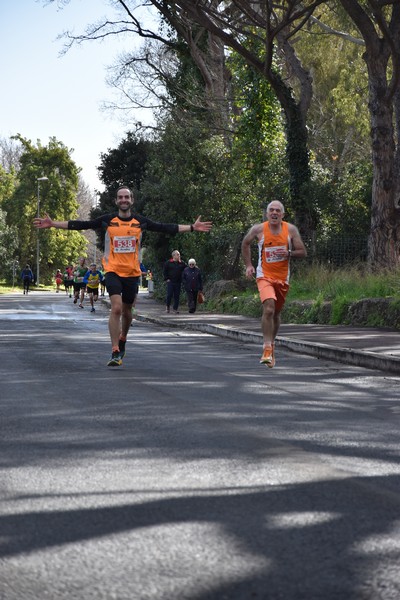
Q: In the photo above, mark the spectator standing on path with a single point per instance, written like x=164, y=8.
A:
x=27, y=278
x=173, y=270
x=122, y=259
x=79, y=286
x=92, y=280
x=278, y=243
x=149, y=281
x=193, y=283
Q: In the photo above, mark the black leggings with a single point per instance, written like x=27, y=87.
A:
x=27, y=282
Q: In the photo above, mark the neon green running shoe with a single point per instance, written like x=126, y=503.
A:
x=115, y=360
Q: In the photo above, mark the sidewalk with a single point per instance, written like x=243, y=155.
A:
x=368, y=347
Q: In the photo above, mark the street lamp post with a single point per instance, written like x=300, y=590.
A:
x=39, y=179
x=96, y=199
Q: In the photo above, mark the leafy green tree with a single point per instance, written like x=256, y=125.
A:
x=258, y=141
x=57, y=197
x=339, y=129
x=378, y=24
x=8, y=246
x=124, y=165
x=7, y=183
x=8, y=234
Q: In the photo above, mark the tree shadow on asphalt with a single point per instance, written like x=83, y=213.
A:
x=219, y=405
x=326, y=558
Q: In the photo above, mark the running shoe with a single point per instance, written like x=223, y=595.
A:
x=81, y=306
x=115, y=360
x=75, y=300
x=93, y=310
x=268, y=357
x=122, y=344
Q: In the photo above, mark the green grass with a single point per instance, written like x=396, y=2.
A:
x=353, y=283
x=7, y=288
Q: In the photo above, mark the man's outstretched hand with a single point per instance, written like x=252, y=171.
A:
x=43, y=223
x=202, y=225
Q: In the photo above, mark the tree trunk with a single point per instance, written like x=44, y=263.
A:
x=384, y=239
x=381, y=32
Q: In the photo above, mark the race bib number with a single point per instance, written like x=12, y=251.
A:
x=271, y=254
x=124, y=244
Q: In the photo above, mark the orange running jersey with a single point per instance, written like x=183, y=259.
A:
x=271, y=266
x=122, y=247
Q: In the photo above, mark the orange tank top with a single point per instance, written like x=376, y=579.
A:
x=270, y=265
x=122, y=248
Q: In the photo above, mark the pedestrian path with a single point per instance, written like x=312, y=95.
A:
x=374, y=348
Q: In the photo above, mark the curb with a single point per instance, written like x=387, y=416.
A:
x=357, y=358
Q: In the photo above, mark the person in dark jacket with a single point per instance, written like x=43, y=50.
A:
x=173, y=270
x=27, y=278
x=192, y=282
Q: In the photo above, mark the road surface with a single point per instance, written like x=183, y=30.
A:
x=192, y=472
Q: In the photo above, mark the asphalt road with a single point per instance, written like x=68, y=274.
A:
x=192, y=472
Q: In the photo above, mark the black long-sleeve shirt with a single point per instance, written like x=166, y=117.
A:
x=173, y=270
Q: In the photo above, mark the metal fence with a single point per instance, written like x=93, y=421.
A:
x=337, y=250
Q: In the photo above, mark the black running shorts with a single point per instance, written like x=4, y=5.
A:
x=128, y=287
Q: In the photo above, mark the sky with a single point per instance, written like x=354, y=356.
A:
x=47, y=95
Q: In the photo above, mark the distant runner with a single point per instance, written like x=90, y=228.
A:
x=92, y=280
x=79, y=285
x=68, y=278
